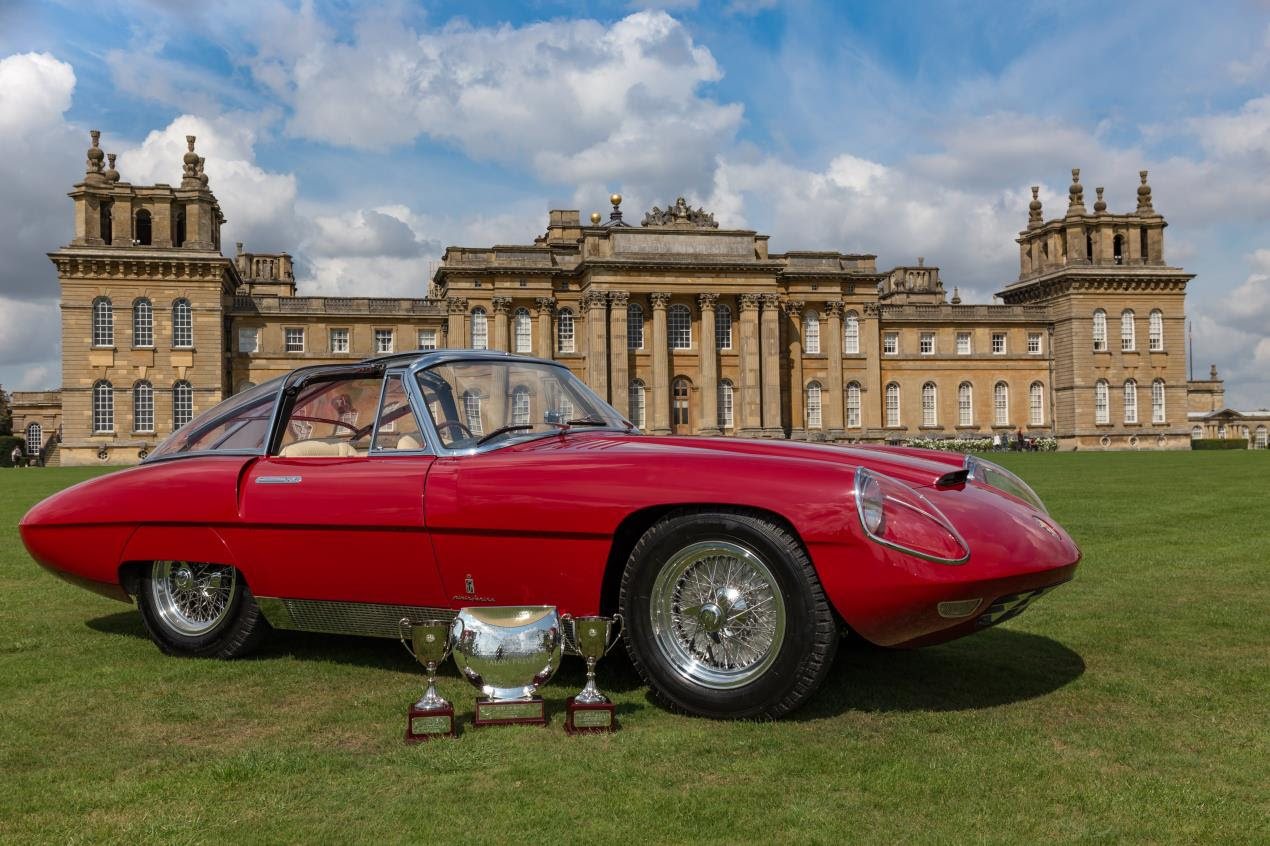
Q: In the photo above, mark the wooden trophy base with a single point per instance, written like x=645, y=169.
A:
x=517, y=712
x=427, y=723
x=589, y=718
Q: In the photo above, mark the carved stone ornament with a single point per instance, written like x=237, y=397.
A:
x=680, y=214
x=457, y=305
x=748, y=301
x=502, y=305
x=545, y=304
x=594, y=299
x=707, y=300
x=771, y=300
x=660, y=300
x=834, y=308
x=619, y=299
x=794, y=308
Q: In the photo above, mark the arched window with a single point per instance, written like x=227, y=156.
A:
x=142, y=229
x=1117, y=249
x=1196, y=433
x=520, y=406
x=635, y=400
x=142, y=407
x=179, y=241
x=930, y=405
x=1036, y=404
x=142, y=323
x=103, y=323
x=107, y=221
x=35, y=438
x=1130, y=401
x=811, y=332
x=634, y=327
x=851, y=334
x=892, y=404
x=564, y=331
x=1001, y=404
x=103, y=407
x=1260, y=442
x=472, y=412
x=182, y=404
x=725, y=405
x=480, y=330
x=679, y=327
x=723, y=327
x=853, y=405
x=1102, y=402
x=965, y=404
x=1100, y=331
x=814, y=417
x=182, y=324
x=679, y=406
x=523, y=330
x=1155, y=330
x=1157, y=401
x=1128, y=338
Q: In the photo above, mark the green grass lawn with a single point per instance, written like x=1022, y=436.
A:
x=1132, y=705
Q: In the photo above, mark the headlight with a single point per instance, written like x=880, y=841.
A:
x=996, y=476
x=896, y=516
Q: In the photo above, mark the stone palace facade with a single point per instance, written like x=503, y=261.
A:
x=686, y=327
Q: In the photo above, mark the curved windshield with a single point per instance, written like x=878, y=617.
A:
x=239, y=424
x=483, y=401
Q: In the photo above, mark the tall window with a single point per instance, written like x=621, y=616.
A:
x=1117, y=249
x=1102, y=402
x=383, y=341
x=248, y=339
x=814, y=416
x=480, y=330
x=1130, y=401
x=725, y=405
x=427, y=339
x=179, y=239
x=564, y=331
x=520, y=406
x=1155, y=330
x=35, y=438
x=142, y=229
x=293, y=337
x=1034, y=343
x=892, y=404
x=965, y=404
x=853, y=405
x=1128, y=338
x=339, y=340
x=1036, y=404
x=998, y=343
x=182, y=404
x=679, y=406
x=634, y=327
x=927, y=343
x=1196, y=433
x=522, y=330
x=679, y=326
x=1157, y=401
x=891, y=343
x=723, y=328
x=851, y=334
x=1261, y=438
x=182, y=324
x=142, y=407
x=811, y=332
x=142, y=323
x=1001, y=404
x=472, y=412
x=103, y=323
x=103, y=407
x=635, y=400
x=107, y=221
x=1100, y=331
x=930, y=405
x=963, y=343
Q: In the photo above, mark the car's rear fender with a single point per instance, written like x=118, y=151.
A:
x=172, y=543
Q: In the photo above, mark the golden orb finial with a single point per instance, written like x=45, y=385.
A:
x=595, y=218
x=615, y=199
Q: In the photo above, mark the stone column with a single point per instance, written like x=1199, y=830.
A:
x=502, y=305
x=619, y=372
x=770, y=347
x=872, y=411
x=597, y=365
x=749, y=403
x=659, y=391
x=708, y=377
x=456, y=331
x=797, y=395
x=833, y=401
x=544, y=344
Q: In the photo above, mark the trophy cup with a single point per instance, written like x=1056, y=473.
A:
x=508, y=653
x=589, y=710
x=429, y=643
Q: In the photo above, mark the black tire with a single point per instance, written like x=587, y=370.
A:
x=237, y=632
x=808, y=642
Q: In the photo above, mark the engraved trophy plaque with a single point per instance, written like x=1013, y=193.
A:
x=508, y=653
x=429, y=642
x=590, y=711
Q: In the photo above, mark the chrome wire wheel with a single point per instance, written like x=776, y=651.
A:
x=192, y=598
x=717, y=614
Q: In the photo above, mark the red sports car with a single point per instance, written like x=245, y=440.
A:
x=343, y=498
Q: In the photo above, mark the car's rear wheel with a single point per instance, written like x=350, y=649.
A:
x=199, y=609
x=727, y=617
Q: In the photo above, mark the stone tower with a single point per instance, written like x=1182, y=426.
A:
x=143, y=285
x=1118, y=321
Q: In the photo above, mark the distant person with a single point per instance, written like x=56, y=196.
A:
x=1018, y=444
x=996, y=441
x=16, y=456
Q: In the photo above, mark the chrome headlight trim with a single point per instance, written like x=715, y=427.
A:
x=862, y=475
x=979, y=468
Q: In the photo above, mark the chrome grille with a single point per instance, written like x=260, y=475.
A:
x=1011, y=605
x=357, y=618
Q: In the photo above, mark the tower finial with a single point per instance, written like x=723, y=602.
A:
x=189, y=172
x=616, y=200
x=1076, y=195
x=956, y=299
x=1100, y=205
x=1144, y=196
x=202, y=177
x=1034, y=220
x=93, y=172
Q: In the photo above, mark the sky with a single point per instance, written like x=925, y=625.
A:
x=364, y=139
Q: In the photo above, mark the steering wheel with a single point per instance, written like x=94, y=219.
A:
x=454, y=424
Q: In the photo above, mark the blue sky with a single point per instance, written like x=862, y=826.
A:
x=364, y=139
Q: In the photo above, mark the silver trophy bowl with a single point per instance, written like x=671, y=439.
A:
x=508, y=652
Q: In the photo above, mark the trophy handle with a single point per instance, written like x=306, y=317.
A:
x=566, y=629
x=403, y=629
x=454, y=636
x=620, y=623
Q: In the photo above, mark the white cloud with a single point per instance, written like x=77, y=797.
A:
x=30, y=339
x=1247, y=131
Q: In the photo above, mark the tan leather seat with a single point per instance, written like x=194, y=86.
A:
x=409, y=442
x=317, y=449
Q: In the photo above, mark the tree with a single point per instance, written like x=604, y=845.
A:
x=6, y=414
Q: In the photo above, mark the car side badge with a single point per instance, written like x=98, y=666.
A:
x=469, y=584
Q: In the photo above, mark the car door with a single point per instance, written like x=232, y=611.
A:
x=336, y=511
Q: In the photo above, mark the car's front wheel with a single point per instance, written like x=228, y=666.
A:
x=727, y=617
x=199, y=609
